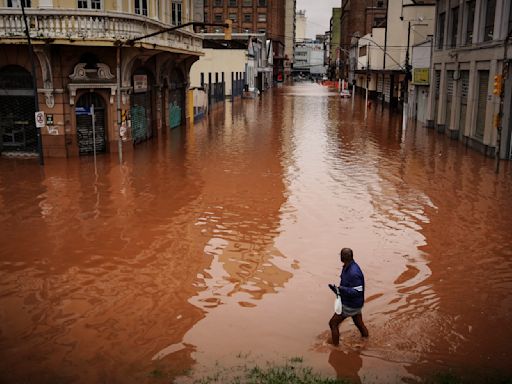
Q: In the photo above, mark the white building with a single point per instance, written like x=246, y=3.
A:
x=300, y=26
x=384, y=54
x=243, y=58
x=309, y=59
x=289, y=32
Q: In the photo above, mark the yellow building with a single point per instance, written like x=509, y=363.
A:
x=81, y=49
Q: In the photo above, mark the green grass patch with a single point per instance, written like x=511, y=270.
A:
x=292, y=372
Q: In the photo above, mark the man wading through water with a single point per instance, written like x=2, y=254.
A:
x=351, y=290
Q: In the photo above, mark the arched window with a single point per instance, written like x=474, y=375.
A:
x=15, y=77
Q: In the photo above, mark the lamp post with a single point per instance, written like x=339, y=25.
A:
x=367, y=80
x=34, y=80
x=505, y=73
x=407, y=73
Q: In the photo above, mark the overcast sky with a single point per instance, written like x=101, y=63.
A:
x=318, y=14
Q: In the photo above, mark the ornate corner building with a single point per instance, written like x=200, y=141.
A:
x=80, y=48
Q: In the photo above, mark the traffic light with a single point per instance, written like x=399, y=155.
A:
x=228, y=29
x=498, y=85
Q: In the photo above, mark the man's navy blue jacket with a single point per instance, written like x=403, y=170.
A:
x=352, y=285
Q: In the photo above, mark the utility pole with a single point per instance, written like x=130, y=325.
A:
x=118, y=99
x=34, y=81
x=367, y=80
x=505, y=72
x=407, y=73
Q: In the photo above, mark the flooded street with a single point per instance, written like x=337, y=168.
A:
x=213, y=246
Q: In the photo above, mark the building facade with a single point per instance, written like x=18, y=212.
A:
x=383, y=57
x=300, y=26
x=470, y=49
x=358, y=17
x=289, y=36
x=83, y=56
x=335, y=44
x=243, y=63
x=309, y=59
x=253, y=16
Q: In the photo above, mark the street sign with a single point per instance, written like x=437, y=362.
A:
x=40, y=119
x=79, y=111
x=421, y=76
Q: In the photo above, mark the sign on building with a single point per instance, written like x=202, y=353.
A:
x=140, y=83
x=39, y=116
x=421, y=76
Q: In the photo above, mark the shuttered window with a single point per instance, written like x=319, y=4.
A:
x=483, y=84
x=464, y=90
x=437, y=87
x=449, y=95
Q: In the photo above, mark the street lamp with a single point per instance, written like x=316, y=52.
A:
x=407, y=73
x=34, y=81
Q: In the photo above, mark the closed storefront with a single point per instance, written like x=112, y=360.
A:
x=437, y=88
x=483, y=84
x=90, y=137
x=17, y=109
x=387, y=88
x=464, y=90
x=380, y=83
x=449, y=97
x=176, y=107
x=141, y=107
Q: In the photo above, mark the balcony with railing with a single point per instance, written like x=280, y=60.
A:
x=83, y=27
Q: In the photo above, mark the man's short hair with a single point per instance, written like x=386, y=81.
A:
x=347, y=253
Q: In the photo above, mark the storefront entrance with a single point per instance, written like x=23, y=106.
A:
x=17, y=109
x=84, y=127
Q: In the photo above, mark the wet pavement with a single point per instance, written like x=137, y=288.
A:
x=212, y=246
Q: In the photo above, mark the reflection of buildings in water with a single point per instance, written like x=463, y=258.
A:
x=467, y=239
x=104, y=271
x=243, y=192
x=239, y=213
x=434, y=198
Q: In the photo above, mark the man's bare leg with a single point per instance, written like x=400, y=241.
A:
x=334, y=324
x=358, y=321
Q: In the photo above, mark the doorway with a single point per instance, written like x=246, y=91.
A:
x=84, y=129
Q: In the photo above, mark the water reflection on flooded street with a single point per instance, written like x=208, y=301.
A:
x=215, y=244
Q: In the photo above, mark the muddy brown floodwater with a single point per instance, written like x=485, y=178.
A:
x=215, y=244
